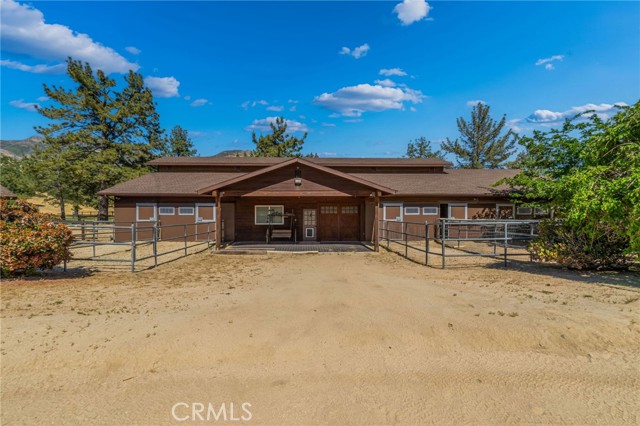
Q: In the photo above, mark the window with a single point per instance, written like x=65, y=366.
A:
x=166, y=211
x=349, y=209
x=432, y=210
x=309, y=232
x=328, y=209
x=265, y=215
x=411, y=211
x=309, y=217
x=186, y=211
x=525, y=211
x=540, y=211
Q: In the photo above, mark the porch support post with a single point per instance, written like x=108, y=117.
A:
x=218, y=197
x=376, y=225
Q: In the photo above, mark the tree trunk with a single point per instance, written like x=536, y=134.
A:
x=103, y=208
x=63, y=214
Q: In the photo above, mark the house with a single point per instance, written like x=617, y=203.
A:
x=313, y=199
x=6, y=193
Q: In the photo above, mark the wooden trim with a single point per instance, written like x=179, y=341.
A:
x=293, y=161
x=376, y=215
x=218, y=214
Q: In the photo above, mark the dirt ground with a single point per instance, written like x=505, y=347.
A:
x=339, y=339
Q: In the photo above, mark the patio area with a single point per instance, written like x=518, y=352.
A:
x=300, y=247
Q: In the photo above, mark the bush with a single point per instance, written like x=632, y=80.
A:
x=575, y=248
x=30, y=240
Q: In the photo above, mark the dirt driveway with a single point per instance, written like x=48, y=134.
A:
x=336, y=339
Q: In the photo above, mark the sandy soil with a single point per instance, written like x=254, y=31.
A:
x=334, y=339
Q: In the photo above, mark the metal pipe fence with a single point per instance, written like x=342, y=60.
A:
x=455, y=238
x=124, y=243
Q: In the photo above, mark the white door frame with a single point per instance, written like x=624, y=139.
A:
x=466, y=209
x=205, y=205
x=384, y=210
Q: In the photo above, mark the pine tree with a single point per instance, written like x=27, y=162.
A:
x=421, y=148
x=278, y=143
x=179, y=143
x=481, y=143
x=106, y=133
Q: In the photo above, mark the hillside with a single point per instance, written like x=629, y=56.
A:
x=234, y=153
x=19, y=148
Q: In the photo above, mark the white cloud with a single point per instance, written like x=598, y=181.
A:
x=412, y=109
x=36, y=69
x=163, y=87
x=133, y=50
x=548, y=62
x=545, y=116
x=43, y=98
x=410, y=11
x=392, y=71
x=357, y=52
x=247, y=104
x=475, y=102
x=328, y=124
x=29, y=106
x=263, y=125
x=386, y=82
x=23, y=31
x=199, y=102
x=276, y=108
x=352, y=101
x=293, y=108
x=292, y=101
x=353, y=120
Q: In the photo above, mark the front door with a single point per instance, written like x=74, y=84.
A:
x=309, y=224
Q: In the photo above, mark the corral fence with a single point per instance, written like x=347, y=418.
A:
x=141, y=245
x=456, y=238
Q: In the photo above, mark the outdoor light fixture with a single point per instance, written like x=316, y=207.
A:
x=297, y=181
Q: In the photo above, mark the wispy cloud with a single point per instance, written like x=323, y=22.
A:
x=163, y=87
x=353, y=101
x=356, y=52
x=36, y=69
x=247, y=104
x=386, y=83
x=263, y=125
x=24, y=31
x=133, y=50
x=275, y=108
x=388, y=72
x=199, y=102
x=548, y=117
x=29, y=106
x=548, y=62
x=410, y=11
x=328, y=124
x=475, y=102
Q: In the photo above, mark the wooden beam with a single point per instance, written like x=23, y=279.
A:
x=376, y=214
x=218, y=197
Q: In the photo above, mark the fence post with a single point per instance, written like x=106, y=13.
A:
x=208, y=236
x=155, y=244
x=93, y=225
x=133, y=247
x=426, y=244
x=185, y=239
x=506, y=229
x=386, y=223
x=406, y=240
x=443, y=241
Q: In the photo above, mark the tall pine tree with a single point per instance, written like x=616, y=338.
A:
x=482, y=144
x=421, y=148
x=179, y=143
x=106, y=133
x=279, y=143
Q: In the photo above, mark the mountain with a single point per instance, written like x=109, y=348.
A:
x=234, y=153
x=19, y=148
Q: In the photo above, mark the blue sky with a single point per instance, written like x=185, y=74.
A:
x=363, y=78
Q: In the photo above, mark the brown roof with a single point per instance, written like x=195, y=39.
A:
x=270, y=161
x=169, y=183
x=6, y=193
x=453, y=182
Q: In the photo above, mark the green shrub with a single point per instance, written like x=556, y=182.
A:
x=575, y=248
x=30, y=240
